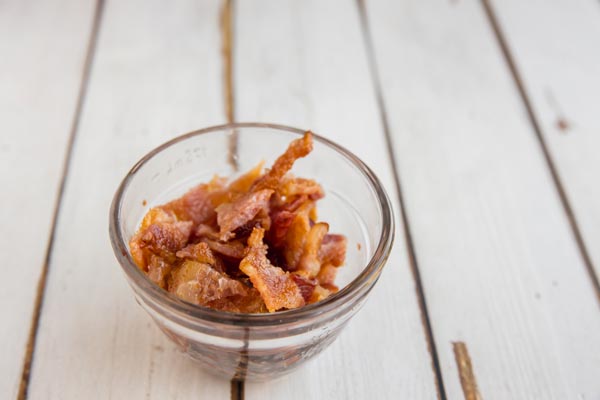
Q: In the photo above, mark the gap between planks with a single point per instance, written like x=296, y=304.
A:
x=414, y=267
x=227, y=44
x=512, y=66
x=465, y=371
x=41, y=286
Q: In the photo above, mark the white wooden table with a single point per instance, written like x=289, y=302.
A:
x=481, y=117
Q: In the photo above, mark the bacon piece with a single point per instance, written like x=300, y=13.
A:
x=275, y=286
x=297, y=149
x=161, y=234
x=251, y=303
x=293, y=246
x=201, y=252
x=197, y=204
x=306, y=286
x=292, y=187
x=333, y=250
x=158, y=270
x=327, y=274
x=199, y=283
x=280, y=223
x=231, y=216
x=232, y=249
x=309, y=264
x=320, y=293
x=205, y=230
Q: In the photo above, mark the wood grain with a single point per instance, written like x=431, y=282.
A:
x=554, y=47
x=157, y=74
x=42, y=48
x=304, y=64
x=500, y=267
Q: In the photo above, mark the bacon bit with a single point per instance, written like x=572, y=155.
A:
x=307, y=286
x=293, y=246
x=250, y=303
x=297, y=149
x=144, y=203
x=201, y=252
x=292, y=187
x=232, y=249
x=358, y=247
x=158, y=270
x=231, y=216
x=309, y=264
x=199, y=283
x=275, y=286
x=327, y=274
x=333, y=249
x=196, y=205
x=161, y=234
x=320, y=293
x=281, y=221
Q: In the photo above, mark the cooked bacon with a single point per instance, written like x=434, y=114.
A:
x=293, y=187
x=320, y=293
x=296, y=234
x=275, y=286
x=280, y=223
x=232, y=249
x=309, y=263
x=297, y=149
x=251, y=303
x=196, y=205
x=327, y=274
x=231, y=216
x=251, y=246
x=160, y=234
x=158, y=270
x=199, y=283
x=201, y=252
x=307, y=286
x=333, y=250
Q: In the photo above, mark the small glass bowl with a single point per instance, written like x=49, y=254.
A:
x=257, y=346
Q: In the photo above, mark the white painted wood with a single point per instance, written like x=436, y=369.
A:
x=500, y=267
x=157, y=74
x=556, y=45
x=42, y=52
x=304, y=64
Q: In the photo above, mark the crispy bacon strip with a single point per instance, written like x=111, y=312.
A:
x=297, y=149
x=202, y=253
x=309, y=264
x=333, y=249
x=231, y=216
x=199, y=283
x=160, y=233
x=275, y=286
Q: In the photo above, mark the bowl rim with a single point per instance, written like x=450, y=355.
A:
x=365, y=280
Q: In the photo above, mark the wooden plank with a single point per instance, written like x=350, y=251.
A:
x=42, y=48
x=156, y=74
x=555, y=47
x=304, y=64
x=501, y=270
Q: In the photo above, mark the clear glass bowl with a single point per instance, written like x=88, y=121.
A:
x=257, y=346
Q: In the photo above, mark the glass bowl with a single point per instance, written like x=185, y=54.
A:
x=257, y=346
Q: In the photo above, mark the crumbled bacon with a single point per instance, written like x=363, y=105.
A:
x=199, y=283
x=333, y=249
x=276, y=287
x=307, y=286
x=231, y=216
x=251, y=246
